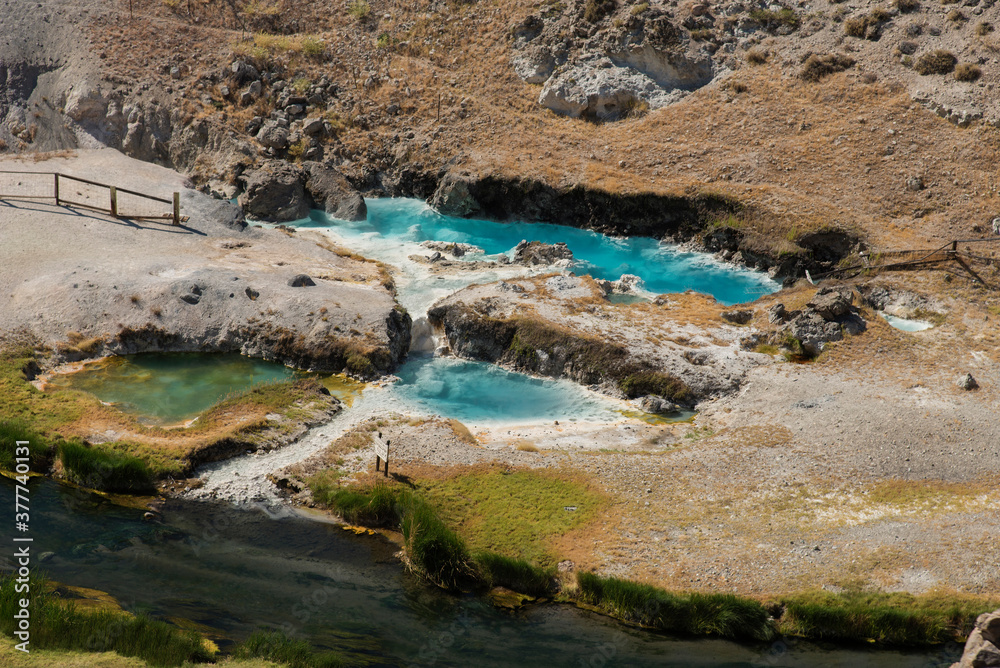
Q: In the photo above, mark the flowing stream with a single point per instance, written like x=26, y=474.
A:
x=231, y=571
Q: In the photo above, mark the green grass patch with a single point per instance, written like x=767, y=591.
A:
x=105, y=469
x=276, y=646
x=55, y=625
x=515, y=574
x=516, y=513
x=39, y=448
x=23, y=402
x=723, y=615
x=897, y=619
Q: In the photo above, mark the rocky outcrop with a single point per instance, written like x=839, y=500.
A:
x=826, y=318
x=535, y=253
x=627, y=284
x=453, y=196
x=621, y=66
x=274, y=192
x=333, y=193
x=982, y=649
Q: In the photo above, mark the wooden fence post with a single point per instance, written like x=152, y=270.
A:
x=177, y=208
x=114, y=201
x=56, y=175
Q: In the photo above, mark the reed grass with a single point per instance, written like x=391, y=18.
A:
x=897, y=619
x=55, y=625
x=515, y=574
x=106, y=470
x=39, y=448
x=276, y=646
x=723, y=615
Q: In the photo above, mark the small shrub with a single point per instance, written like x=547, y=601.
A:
x=757, y=56
x=276, y=646
x=855, y=26
x=984, y=28
x=313, y=47
x=935, y=62
x=968, y=72
x=635, y=107
x=819, y=66
x=359, y=9
x=867, y=26
x=106, y=470
x=956, y=16
x=702, y=35
x=639, y=9
x=301, y=85
x=595, y=10
x=774, y=20
x=907, y=6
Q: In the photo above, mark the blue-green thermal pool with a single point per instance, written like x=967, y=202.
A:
x=395, y=228
x=168, y=388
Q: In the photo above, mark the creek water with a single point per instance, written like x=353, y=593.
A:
x=395, y=228
x=231, y=571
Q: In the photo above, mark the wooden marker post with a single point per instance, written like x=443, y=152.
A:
x=381, y=453
x=114, y=202
x=177, y=208
x=56, y=177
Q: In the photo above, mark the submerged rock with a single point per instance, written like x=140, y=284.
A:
x=657, y=404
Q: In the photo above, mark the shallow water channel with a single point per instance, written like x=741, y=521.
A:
x=231, y=571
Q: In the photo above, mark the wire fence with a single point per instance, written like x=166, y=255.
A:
x=77, y=192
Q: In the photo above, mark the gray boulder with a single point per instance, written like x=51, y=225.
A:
x=243, y=72
x=831, y=304
x=813, y=332
x=982, y=649
x=656, y=404
x=967, y=382
x=332, y=191
x=534, y=253
x=627, y=284
x=737, y=316
x=275, y=192
x=301, y=281
x=534, y=64
x=453, y=197
x=272, y=135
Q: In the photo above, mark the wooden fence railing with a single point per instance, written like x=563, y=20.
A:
x=112, y=197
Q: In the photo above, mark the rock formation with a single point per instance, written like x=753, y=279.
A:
x=982, y=650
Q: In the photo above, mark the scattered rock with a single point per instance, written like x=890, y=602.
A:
x=190, y=298
x=301, y=281
x=243, y=72
x=533, y=253
x=813, y=332
x=967, y=382
x=272, y=135
x=777, y=313
x=738, y=316
x=996, y=225
x=915, y=183
x=658, y=405
x=831, y=304
x=252, y=294
x=452, y=248
x=627, y=284
x=534, y=64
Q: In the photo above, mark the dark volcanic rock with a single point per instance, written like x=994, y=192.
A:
x=275, y=192
x=331, y=191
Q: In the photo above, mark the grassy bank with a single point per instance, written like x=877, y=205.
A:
x=276, y=646
x=896, y=619
x=433, y=549
x=722, y=615
x=59, y=625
